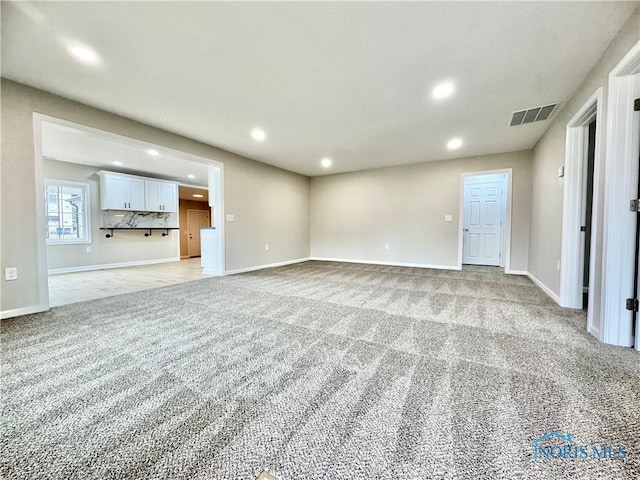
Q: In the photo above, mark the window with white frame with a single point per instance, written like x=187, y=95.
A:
x=67, y=212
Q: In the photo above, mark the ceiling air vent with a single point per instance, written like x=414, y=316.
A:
x=530, y=115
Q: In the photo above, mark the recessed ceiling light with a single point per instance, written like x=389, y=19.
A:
x=85, y=55
x=258, y=134
x=326, y=162
x=153, y=152
x=116, y=162
x=191, y=176
x=197, y=195
x=443, y=90
x=454, y=143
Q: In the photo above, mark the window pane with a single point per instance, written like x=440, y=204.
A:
x=65, y=209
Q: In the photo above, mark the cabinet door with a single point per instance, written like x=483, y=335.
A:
x=169, y=197
x=115, y=195
x=152, y=195
x=136, y=199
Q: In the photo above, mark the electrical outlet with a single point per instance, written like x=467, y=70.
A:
x=448, y=218
x=87, y=250
x=266, y=246
x=386, y=246
x=11, y=273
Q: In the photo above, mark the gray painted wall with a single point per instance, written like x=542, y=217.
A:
x=549, y=155
x=123, y=247
x=354, y=214
x=271, y=205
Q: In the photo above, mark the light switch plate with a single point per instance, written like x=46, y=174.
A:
x=448, y=218
x=231, y=218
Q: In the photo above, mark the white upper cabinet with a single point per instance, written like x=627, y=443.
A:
x=161, y=196
x=129, y=192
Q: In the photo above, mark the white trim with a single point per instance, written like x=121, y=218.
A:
x=391, y=264
x=16, y=312
x=620, y=187
x=544, y=288
x=517, y=272
x=508, y=200
x=106, y=266
x=572, y=250
x=630, y=63
x=41, y=221
x=216, y=204
x=261, y=267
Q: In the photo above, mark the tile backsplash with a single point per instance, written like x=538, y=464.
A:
x=127, y=219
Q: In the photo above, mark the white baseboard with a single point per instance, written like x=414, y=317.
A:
x=544, y=288
x=516, y=272
x=391, y=264
x=270, y=265
x=16, y=312
x=86, y=268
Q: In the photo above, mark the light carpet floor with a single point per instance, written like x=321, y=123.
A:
x=315, y=371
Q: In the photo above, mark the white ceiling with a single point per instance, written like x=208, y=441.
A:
x=350, y=81
x=74, y=145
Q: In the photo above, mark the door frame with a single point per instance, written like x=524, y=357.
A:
x=507, y=212
x=189, y=229
x=621, y=182
x=572, y=249
x=216, y=185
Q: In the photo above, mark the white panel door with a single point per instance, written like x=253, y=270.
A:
x=482, y=239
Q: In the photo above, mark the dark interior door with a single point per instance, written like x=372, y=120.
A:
x=591, y=155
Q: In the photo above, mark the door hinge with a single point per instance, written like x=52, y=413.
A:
x=634, y=205
x=636, y=105
x=632, y=304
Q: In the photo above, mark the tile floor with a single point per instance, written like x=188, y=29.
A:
x=80, y=286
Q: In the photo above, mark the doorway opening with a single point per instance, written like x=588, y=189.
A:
x=581, y=253
x=195, y=214
x=485, y=219
x=587, y=210
x=86, y=240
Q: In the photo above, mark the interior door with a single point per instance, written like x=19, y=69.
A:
x=482, y=239
x=196, y=219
